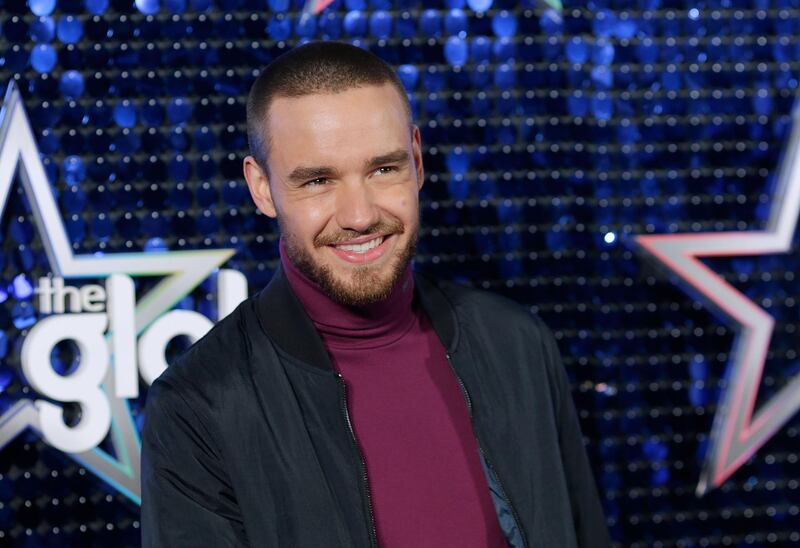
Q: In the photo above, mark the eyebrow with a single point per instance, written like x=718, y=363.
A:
x=302, y=174
x=399, y=156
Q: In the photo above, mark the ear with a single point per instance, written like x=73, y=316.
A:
x=416, y=151
x=258, y=183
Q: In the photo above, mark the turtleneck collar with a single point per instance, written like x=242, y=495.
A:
x=371, y=326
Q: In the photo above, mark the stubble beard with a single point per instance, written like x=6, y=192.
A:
x=366, y=284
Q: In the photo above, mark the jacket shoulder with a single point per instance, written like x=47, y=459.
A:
x=471, y=302
x=499, y=323
x=217, y=357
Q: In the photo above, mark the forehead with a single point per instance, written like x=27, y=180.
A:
x=320, y=127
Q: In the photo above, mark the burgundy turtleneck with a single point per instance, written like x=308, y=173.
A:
x=410, y=419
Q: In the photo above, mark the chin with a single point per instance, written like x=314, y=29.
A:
x=364, y=285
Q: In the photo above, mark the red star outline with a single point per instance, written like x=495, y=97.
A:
x=739, y=429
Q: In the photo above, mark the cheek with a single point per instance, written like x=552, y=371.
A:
x=311, y=217
x=402, y=203
x=409, y=206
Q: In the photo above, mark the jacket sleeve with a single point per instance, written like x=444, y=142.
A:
x=187, y=500
x=587, y=512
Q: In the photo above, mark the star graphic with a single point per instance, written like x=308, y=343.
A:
x=739, y=429
x=182, y=271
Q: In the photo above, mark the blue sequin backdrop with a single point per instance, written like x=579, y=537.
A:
x=550, y=136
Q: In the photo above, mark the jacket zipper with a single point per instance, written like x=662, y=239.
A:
x=485, y=454
x=364, y=486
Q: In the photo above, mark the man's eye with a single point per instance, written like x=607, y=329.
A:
x=316, y=182
x=385, y=169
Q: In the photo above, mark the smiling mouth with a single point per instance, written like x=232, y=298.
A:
x=362, y=251
x=361, y=247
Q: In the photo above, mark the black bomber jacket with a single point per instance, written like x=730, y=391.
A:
x=247, y=440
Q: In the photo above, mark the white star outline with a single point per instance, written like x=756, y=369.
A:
x=739, y=429
x=183, y=271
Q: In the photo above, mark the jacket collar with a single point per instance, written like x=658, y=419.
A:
x=285, y=321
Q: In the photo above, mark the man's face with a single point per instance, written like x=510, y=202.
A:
x=344, y=177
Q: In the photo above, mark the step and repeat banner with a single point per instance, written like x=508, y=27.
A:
x=625, y=169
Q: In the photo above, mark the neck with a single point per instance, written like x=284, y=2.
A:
x=369, y=326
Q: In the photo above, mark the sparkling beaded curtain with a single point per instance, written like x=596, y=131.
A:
x=551, y=136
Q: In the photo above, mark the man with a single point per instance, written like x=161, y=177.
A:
x=351, y=402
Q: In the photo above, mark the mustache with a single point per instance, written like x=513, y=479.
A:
x=391, y=226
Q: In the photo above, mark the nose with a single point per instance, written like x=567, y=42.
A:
x=355, y=206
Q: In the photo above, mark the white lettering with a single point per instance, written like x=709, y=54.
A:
x=93, y=298
x=121, y=317
x=154, y=341
x=45, y=291
x=60, y=294
x=231, y=291
x=86, y=325
x=81, y=386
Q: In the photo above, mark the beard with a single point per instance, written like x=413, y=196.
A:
x=365, y=284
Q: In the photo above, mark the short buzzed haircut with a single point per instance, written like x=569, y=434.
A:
x=315, y=67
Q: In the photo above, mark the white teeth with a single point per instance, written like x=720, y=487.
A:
x=361, y=248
